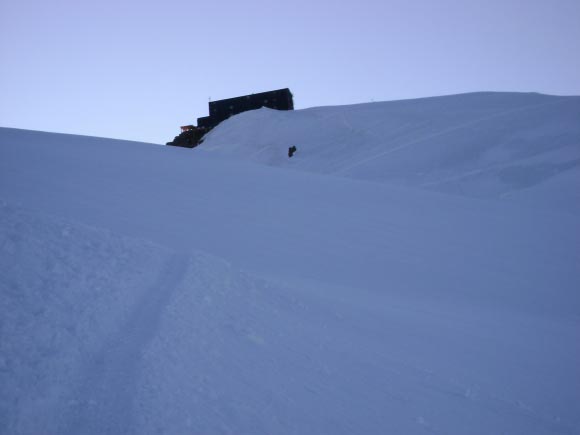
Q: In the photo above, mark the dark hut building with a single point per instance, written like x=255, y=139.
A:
x=221, y=110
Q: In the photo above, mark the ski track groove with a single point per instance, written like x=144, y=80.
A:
x=103, y=403
x=445, y=131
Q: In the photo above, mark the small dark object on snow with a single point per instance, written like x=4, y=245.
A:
x=291, y=151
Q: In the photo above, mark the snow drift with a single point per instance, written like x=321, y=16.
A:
x=149, y=289
x=487, y=145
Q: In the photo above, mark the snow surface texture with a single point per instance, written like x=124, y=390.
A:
x=487, y=145
x=149, y=289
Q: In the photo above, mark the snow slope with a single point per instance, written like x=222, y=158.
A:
x=486, y=145
x=149, y=289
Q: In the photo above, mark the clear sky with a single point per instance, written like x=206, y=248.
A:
x=138, y=70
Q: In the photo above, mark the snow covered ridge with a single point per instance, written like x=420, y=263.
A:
x=148, y=289
x=486, y=145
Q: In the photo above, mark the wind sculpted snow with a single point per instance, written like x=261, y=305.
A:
x=149, y=289
x=486, y=145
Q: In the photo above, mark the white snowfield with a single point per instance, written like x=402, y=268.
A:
x=485, y=145
x=413, y=269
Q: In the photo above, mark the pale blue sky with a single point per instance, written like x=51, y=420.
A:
x=139, y=69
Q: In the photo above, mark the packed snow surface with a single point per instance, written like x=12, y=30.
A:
x=486, y=145
x=414, y=268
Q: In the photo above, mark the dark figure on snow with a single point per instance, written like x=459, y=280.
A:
x=291, y=151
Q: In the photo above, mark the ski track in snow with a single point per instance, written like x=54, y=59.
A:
x=443, y=132
x=316, y=305
x=104, y=401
